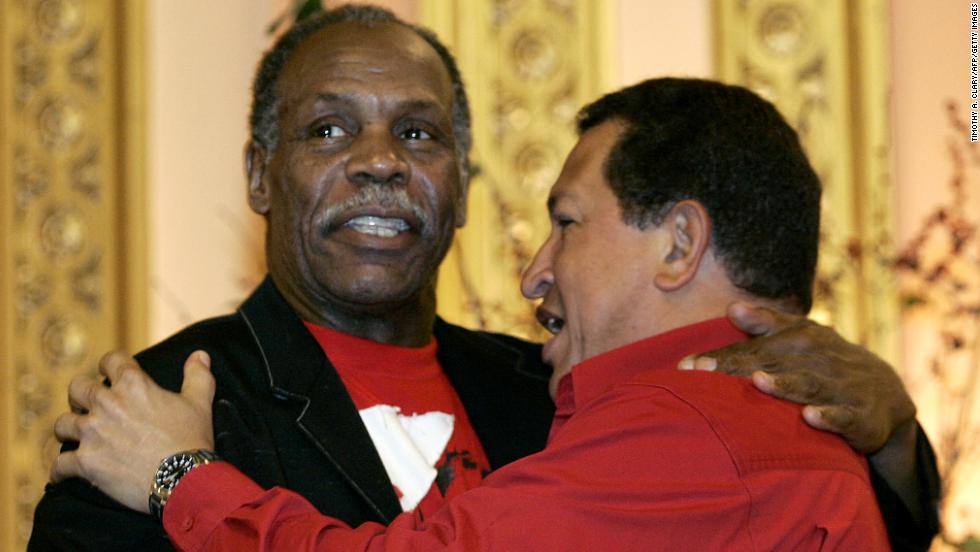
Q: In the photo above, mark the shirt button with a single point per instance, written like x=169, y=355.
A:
x=187, y=523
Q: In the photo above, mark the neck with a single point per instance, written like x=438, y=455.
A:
x=406, y=323
x=706, y=297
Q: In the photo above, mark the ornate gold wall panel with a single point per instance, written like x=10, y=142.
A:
x=824, y=63
x=72, y=260
x=528, y=66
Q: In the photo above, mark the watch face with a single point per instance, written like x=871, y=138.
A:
x=173, y=469
x=169, y=473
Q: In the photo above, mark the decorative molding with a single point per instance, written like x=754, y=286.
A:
x=528, y=67
x=824, y=64
x=71, y=252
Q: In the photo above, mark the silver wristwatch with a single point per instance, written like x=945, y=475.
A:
x=171, y=469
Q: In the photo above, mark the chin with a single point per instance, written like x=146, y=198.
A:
x=381, y=291
x=367, y=295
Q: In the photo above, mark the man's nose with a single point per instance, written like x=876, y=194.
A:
x=377, y=158
x=538, y=276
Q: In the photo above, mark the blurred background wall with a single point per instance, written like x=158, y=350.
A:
x=122, y=124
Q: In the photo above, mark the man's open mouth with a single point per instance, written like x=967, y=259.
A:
x=385, y=227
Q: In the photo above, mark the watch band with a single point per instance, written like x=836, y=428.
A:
x=170, y=472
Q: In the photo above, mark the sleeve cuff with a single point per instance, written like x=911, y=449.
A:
x=203, y=499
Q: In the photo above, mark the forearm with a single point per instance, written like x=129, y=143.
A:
x=907, y=467
x=217, y=508
x=895, y=463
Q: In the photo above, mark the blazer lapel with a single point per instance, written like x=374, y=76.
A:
x=299, y=371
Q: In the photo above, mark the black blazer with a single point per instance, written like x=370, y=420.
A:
x=282, y=416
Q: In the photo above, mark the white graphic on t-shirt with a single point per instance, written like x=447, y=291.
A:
x=409, y=447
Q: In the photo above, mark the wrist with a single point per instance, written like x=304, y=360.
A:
x=171, y=470
x=901, y=440
x=896, y=464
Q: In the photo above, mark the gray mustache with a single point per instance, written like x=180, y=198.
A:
x=374, y=195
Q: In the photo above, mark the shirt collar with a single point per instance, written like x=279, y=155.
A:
x=349, y=352
x=596, y=375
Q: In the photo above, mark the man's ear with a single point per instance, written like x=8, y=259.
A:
x=689, y=231
x=462, y=201
x=258, y=188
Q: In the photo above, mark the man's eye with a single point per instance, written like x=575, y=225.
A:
x=328, y=131
x=562, y=222
x=415, y=134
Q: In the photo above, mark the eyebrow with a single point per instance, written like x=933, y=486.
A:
x=403, y=105
x=330, y=97
x=553, y=201
x=419, y=105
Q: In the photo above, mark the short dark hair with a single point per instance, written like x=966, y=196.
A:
x=732, y=151
x=264, y=119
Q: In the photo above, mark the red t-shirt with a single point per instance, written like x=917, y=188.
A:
x=414, y=417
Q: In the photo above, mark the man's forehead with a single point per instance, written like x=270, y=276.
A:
x=346, y=57
x=376, y=47
x=353, y=98
x=562, y=191
x=585, y=165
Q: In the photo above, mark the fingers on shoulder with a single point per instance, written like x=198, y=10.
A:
x=745, y=361
x=838, y=419
x=93, y=397
x=67, y=427
x=807, y=386
x=118, y=365
x=197, y=372
x=83, y=428
x=72, y=463
x=84, y=393
x=751, y=319
x=848, y=422
x=761, y=321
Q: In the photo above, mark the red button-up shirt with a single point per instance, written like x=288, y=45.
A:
x=641, y=457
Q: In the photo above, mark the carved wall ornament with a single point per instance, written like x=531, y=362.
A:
x=782, y=29
x=529, y=65
x=32, y=289
x=60, y=122
x=86, y=174
x=31, y=71
x=824, y=63
x=83, y=64
x=58, y=19
x=64, y=341
x=26, y=497
x=31, y=180
x=71, y=100
x=86, y=284
x=564, y=104
x=534, y=54
x=536, y=165
x=34, y=398
x=63, y=232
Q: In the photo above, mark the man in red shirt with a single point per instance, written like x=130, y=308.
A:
x=681, y=197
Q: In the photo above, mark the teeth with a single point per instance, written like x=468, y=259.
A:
x=554, y=324
x=377, y=226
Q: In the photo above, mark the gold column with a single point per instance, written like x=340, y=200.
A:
x=528, y=67
x=72, y=255
x=824, y=63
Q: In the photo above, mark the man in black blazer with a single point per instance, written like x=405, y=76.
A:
x=359, y=163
